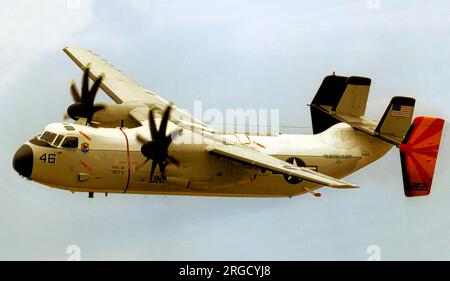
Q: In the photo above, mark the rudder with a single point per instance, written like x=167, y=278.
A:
x=418, y=155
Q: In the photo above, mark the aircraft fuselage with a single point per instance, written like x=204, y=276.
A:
x=109, y=160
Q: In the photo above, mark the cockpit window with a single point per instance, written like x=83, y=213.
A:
x=70, y=142
x=58, y=140
x=48, y=136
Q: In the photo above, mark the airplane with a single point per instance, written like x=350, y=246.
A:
x=144, y=144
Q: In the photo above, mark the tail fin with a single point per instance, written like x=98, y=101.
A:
x=341, y=95
x=418, y=154
x=396, y=119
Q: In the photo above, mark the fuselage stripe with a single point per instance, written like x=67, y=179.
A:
x=128, y=160
x=84, y=135
x=85, y=165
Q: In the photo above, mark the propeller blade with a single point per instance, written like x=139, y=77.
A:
x=164, y=121
x=152, y=124
x=93, y=92
x=74, y=91
x=157, y=148
x=84, y=103
x=85, y=86
x=152, y=171
x=162, y=167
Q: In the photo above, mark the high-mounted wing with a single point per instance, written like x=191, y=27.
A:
x=255, y=158
x=124, y=90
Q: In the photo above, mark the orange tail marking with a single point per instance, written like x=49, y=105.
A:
x=418, y=154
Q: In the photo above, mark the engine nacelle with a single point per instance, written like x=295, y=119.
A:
x=115, y=115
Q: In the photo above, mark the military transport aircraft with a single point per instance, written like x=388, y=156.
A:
x=143, y=144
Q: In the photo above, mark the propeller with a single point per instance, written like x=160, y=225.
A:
x=84, y=103
x=157, y=148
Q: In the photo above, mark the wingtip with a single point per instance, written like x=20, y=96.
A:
x=349, y=185
x=343, y=185
x=69, y=48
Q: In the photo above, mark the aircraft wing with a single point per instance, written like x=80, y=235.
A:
x=124, y=90
x=253, y=157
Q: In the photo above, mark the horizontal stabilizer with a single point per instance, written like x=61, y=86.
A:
x=392, y=127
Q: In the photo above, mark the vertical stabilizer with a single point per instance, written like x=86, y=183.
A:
x=418, y=154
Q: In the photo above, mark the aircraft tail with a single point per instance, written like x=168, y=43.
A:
x=343, y=99
x=418, y=154
x=339, y=95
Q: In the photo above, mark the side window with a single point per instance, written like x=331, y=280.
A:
x=58, y=140
x=70, y=142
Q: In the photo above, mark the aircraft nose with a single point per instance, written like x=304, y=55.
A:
x=23, y=161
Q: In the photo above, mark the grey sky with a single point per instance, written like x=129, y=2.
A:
x=229, y=54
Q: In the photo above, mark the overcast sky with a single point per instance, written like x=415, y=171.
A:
x=228, y=54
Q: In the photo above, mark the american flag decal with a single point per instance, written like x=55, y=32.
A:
x=402, y=111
